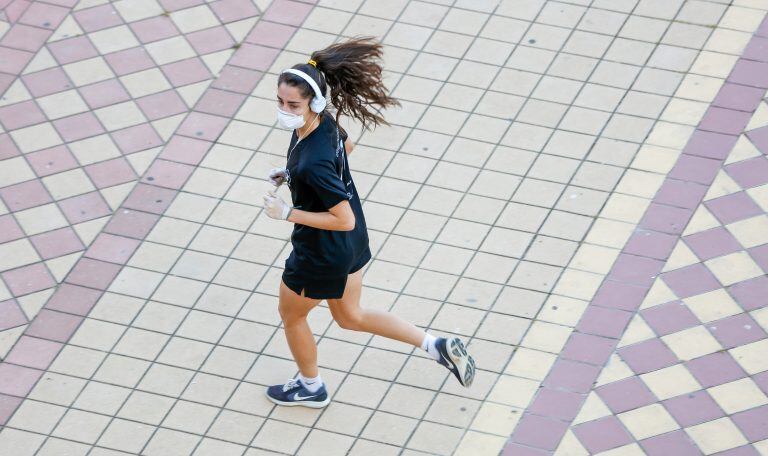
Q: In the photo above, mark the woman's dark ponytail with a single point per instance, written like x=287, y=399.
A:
x=352, y=70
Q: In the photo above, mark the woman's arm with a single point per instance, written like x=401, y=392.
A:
x=338, y=218
x=349, y=146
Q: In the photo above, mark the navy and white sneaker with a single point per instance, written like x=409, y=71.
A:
x=454, y=356
x=294, y=393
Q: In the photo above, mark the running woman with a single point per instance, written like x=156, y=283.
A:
x=330, y=240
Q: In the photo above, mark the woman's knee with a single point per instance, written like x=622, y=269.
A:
x=350, y=320
x=291, y=314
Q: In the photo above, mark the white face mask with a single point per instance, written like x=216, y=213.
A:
x=290, y=121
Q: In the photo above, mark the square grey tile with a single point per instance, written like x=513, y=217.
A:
x=535, y=276
x=389, y=428
x=519, y=302
x=566, y=225
x=602, y=21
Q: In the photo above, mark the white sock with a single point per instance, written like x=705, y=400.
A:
x=428, y=345
x=312, y=384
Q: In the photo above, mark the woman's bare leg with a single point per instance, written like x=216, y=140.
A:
x=293, y=310
x=349, y=315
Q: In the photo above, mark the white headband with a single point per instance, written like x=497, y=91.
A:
x=318, y=103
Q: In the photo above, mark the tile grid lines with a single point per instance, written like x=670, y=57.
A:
x=511, y=447
x=118, y=78
x=483, y=141
x=478, y=326
x=535, y=47
x=405, y=235
x=490, y=143
x=33, y=52
x=523, y=44
x=544, y=179
x=470, y=165
x=575, y=3
x=520, y=122
x=325, y=368
x=205, y=372
x=624, y=284
x=55, y=201
x=11, y=22
x=686, y=363
x=150, y=127
x=15, y=77
x=217, y=314
x=400, y=293
x=485, y=196
x=17, y=12
x=78, y=286
x=719, y=154
x=408, y=353
x=415, y=352
x=58, y=202
x=481, y=321
x=480, y=140
x=118, y=81
x=434, y=242
x=274, y=329
x=189, y=310
x=448, y=293
x=213, y=313
x=273, y=333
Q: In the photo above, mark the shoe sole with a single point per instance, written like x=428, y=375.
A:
x=310, y=404
x=462, y=361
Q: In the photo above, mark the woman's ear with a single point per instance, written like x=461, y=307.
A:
x=309, y=115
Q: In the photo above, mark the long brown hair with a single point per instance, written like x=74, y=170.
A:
x=352, y=69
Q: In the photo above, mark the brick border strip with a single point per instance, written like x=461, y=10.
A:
x=29, y=30
x=93, y=273
x=618, y=299
x=30, y=26
x=24, y=42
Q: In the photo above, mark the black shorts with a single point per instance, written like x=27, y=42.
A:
x=316, y=287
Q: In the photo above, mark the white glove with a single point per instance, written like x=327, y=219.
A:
x=277, y=176
x=275, y=207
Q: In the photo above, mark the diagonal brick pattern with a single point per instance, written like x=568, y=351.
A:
x=690, y=378
x=577, y=187
x=99, y=95
x=685, y=377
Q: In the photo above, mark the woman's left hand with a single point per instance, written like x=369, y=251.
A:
x=275, y=207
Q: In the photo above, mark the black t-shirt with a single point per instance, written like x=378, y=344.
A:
x=319, y=179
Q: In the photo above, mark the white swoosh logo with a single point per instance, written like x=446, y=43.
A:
x=299, y=397
x=448, y=360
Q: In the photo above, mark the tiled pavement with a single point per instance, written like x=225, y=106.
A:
x=578, y=187
x=680, y=322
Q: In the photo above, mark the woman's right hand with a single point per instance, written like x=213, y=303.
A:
x=277, y=176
